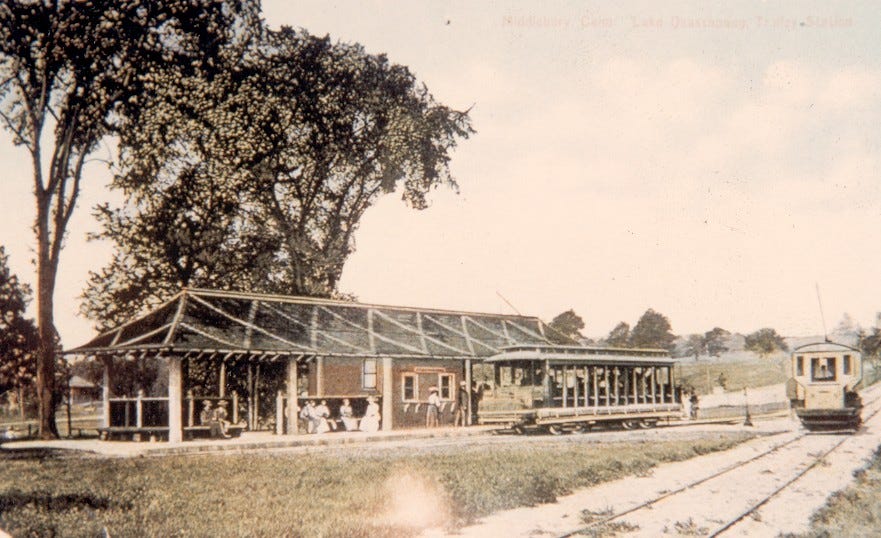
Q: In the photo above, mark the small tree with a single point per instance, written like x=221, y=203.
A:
x=716, y=341
x=652, y=330
x=19, y=340
x=765, y=341
x=619, y=336
x=870, y=342
x=695, y=345
x=566, y=328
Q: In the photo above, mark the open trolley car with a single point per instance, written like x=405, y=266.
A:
x=573, y=388
x=823, y=386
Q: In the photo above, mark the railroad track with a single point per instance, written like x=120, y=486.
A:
x=799, y=445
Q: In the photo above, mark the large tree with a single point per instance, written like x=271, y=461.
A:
x=765, y=341
x=282, y=155
x=653, y=330
x=72, y=73
x=18, y=334
x=566, y=328
x=716, y=341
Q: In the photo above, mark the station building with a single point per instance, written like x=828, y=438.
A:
x=266, y=354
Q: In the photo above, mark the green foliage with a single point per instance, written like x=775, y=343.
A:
x=566, y=328
x=855, y=511
x=18, y=335
x=335, y=493
x=619, y=336
x=765, y=341
x=257, y=178
x=716, y=341
x=653, y=330
x=81, y=71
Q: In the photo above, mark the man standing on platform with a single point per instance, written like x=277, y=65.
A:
x=461, y=405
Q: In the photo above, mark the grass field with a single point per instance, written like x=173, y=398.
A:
x=855, y=511
x=740, y=370
x=345, y=492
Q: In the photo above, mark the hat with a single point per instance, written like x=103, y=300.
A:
x=222, y=403
x=206, y=402
x=462, y=383
x=432, y=389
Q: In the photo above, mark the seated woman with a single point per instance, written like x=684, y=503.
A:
x=219, y=421
x=322, y=416
x=350, y=423
x=205, y=414
x=370, y=422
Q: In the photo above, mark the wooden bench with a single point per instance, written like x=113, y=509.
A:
x=133, y=432
x=193, y=432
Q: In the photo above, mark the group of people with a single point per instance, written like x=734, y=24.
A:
x=464, y=403
x=318, y=417
x=216, y=418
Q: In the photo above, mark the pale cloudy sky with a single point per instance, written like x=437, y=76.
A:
x=710, y=161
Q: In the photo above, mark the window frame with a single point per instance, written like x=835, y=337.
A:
x=799, y=365
x=365, y=373
x=415, y=378
x=450, y=388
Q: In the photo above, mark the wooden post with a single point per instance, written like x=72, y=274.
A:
x=635, y=388
x=546, y=384
x=257, y=396
x=139, y=409
x=585, y=386
x=293, y=408
x=191, y=409
x=564, y=375
x=626, y=386
x=575, y=386
x=596, y=394
x=387, y=394
x=617, y=373
x=469, y=411
x=279, y=413
x=654, y=386
x=222, y=381
x=175, y=430
x=319, y=376
x=608, y=392
x=105, y=393
x=235, y=407
x=250, y=396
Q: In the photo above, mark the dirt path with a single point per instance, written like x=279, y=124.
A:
x=703, y=509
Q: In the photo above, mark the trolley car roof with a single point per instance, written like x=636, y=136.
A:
x=584, y=355
x=821, y=347
x=205, y=321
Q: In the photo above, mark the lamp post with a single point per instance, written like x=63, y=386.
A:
x=747, y=421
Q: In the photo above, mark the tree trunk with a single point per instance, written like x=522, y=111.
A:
x=46, y=272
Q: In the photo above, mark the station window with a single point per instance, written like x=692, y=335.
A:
x=445, y=384
x=368, y=374
x=409, y=387
x=799, y=365
x=846, y=365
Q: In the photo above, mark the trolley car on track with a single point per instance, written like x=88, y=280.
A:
x=823, y=387
x=573, y=389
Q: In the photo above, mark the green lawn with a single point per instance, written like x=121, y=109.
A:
x=344, y=492
x=741, y=370
x=855, y=511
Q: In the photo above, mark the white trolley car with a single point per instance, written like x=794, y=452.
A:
x=823, y=387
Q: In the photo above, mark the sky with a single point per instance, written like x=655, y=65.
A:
x=712, y=161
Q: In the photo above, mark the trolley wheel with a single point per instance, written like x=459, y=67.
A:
x=519, y=430
x=581, y=428
x=630, y=424
x=555, y=429
x=646, y=424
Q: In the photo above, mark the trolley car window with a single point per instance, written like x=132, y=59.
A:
x=799, y=365
x=846, y=365
x=823, y=369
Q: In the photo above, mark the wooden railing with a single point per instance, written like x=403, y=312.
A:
x=152, y=412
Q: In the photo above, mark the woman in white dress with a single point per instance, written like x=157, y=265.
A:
x=350, y=423
x=370, y=422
